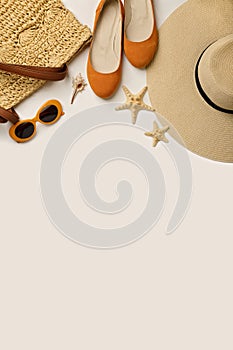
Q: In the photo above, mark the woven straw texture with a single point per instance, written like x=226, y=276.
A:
x=171, y=77
x=36, y=33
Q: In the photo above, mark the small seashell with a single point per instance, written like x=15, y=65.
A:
x=79, y=85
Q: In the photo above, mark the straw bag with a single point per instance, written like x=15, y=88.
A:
x=37, y=39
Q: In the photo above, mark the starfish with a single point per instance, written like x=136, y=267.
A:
x=135, y=103
x=158, y=134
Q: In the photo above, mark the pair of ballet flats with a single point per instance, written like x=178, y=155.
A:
x=130, y=28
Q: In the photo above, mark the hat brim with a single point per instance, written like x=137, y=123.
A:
x=171, y=77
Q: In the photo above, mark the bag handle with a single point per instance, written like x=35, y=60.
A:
x=8, y=115
x=42, y=73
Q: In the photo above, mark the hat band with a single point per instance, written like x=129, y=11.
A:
x=202, y=92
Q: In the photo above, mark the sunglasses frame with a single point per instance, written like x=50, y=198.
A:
x=35, y=120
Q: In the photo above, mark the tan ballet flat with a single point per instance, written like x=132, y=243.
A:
x=104, y=67
x=140, y=35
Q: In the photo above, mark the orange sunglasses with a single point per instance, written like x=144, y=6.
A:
x=48, y=114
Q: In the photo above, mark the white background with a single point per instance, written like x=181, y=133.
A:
x=162, y=292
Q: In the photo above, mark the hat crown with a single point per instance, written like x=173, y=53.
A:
x=221, y=65
x=215, y=72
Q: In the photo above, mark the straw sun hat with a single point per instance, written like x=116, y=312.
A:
x=191, y=78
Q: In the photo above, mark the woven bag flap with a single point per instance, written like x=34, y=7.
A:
x=36, y=33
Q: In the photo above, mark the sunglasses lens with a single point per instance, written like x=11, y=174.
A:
x=49, y=114
x=24, y=130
